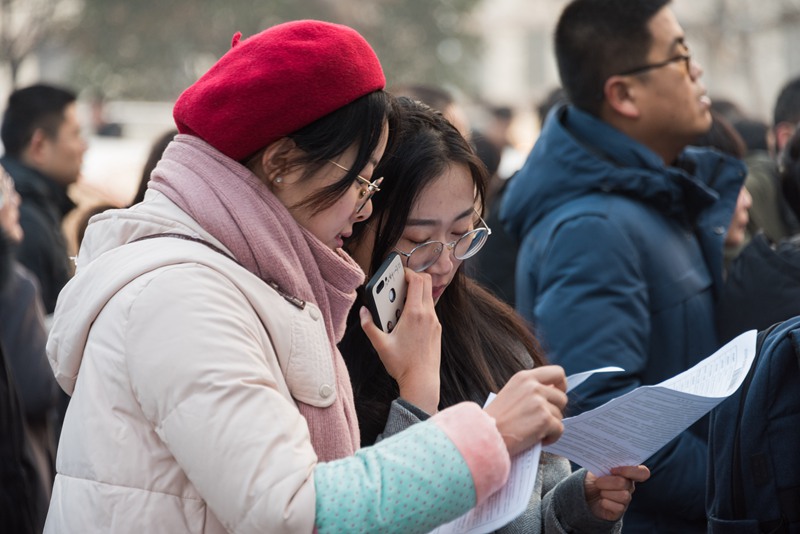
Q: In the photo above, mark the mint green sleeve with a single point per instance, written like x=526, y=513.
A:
x=411, y=482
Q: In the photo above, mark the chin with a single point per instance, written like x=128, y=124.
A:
x=707, y=121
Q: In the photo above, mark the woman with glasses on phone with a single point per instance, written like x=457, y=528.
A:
x=429, y=212
x=198, y=336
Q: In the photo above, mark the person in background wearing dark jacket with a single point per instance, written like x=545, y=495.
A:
x=495, y=267
x=23, y=491
x=770, y=213
x=44, y=152
x=17, y=475
x=763, y=283
x=622, y=227
x=725, y=138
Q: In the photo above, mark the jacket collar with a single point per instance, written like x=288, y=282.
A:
x=34, y=186
x=578, y=154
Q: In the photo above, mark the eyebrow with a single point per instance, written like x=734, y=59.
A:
x=678, y=41
x=433, y=222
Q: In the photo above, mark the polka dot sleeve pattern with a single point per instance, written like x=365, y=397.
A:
x=416, y=480
x=411, y=482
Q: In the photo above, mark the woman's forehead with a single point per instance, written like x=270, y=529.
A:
x=447, y=199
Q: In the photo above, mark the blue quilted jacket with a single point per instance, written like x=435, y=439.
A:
x=620, y=262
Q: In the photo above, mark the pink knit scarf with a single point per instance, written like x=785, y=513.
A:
x=234, y=206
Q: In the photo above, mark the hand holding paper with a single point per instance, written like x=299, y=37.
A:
x=608, y=497
x=512, y=500
x=528, y=410
x=623, y=432
x=629, y=429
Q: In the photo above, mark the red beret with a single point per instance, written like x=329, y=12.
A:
x=276, y=82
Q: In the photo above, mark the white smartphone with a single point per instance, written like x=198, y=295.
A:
x=385, y=293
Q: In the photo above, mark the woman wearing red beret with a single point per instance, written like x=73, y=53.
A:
x=198, y=336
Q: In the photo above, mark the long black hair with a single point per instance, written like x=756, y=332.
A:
x=484, y=342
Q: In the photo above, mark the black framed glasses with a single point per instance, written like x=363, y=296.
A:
x=686, y=58
x=367, y=190
x=426, y=254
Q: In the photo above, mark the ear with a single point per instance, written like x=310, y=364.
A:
x=276, y=159
x=620, y=96
x=36, y=149
x=783, y=132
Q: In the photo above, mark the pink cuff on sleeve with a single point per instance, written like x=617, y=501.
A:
x=475, y=435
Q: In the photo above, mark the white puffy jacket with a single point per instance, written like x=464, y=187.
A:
x=161, y=437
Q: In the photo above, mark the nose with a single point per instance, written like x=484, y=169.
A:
x=365, y=213
x=695, y=69
x=444, y=264
x=747, y=199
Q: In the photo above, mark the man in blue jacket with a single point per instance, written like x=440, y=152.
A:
x=622, y=227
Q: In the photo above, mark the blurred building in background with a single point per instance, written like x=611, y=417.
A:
x=139, y=55
x=748, y=48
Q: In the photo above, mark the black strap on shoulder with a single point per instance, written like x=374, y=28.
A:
x=737, y=482
x=185, y=237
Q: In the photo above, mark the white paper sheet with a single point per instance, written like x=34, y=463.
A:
x=629, y=429
x=577, y=379
x=512, y=499
x=624, y=431
x=507, y=503
x=504, y=506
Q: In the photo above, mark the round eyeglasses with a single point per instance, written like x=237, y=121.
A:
x=367, y=189
x=426, y=254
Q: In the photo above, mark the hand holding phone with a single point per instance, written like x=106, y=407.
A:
x=411, y=354
x=386, y=293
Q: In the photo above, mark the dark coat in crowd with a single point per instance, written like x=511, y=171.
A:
x=21, y=491
x=762, y=287
x=44, y=249
x=619, y=264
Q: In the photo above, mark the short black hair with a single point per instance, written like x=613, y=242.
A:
x=787, y=106
x=29, y=109
x=360, y=123
x=595, y=39
x=789, y=172
x=753, y=132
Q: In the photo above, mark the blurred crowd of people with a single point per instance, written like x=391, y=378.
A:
x=649, y=224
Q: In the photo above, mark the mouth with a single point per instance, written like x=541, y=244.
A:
x=340, y=239
x=437, y=291
x=705, y=100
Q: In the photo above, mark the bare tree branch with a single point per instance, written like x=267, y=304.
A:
x=25, y=25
